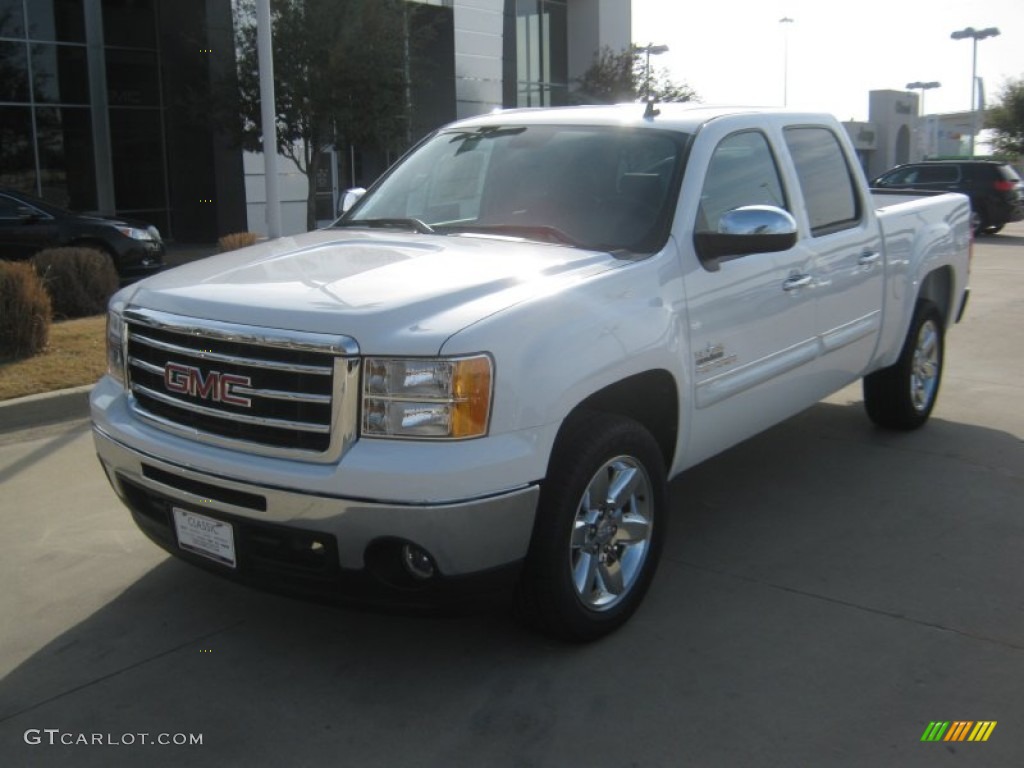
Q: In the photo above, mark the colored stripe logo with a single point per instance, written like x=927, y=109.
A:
x=958, y=730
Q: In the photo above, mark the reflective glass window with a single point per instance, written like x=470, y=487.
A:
x=129, y=23
x=60, y=74
x=12, y=18
x=61, y=20
x=67, y=171
x=17, y=161
x=133, y=79
x=135, y=142
x=13, y=71
x=829, y=192
x=541, y=53
x=742, y=172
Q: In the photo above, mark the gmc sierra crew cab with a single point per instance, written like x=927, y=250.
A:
x=485, y=373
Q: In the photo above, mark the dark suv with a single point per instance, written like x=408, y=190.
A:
x=28, y=225
x=995, y=189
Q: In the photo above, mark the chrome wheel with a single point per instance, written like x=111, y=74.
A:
x=611, y=533
x=599, y=528
x=924, y=373
x=902, y=396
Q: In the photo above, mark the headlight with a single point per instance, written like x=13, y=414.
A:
x=137, y=234
x=427, y=398
x=115, y=345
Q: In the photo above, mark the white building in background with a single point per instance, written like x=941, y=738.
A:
x=896, y=134
x=498, y=53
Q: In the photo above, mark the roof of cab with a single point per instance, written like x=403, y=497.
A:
x=678, y=116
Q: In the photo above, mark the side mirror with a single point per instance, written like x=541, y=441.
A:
x=349, y=198
x=746, y=230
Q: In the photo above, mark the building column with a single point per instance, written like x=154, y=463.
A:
x=97, y=66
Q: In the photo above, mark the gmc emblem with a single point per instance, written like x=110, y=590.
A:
x=216, y=386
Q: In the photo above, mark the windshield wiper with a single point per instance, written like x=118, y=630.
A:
x=417, y=225
x=529, y=231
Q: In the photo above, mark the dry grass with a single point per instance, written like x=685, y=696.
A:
x=237, y=240
x=76, y=355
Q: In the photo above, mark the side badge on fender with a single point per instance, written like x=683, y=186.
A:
x=712, y=357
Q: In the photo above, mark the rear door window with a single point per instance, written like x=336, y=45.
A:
x=830, y=194
x=938, y=174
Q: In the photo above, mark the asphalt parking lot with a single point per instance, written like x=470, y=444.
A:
x=827, y=591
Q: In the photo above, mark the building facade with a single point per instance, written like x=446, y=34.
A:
x=895, y=133
x=495, y=54
x=527, y=53
x=101, y=110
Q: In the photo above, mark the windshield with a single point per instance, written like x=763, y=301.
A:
x=593, y=187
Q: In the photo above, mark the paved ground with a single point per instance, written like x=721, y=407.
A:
x=827, y=591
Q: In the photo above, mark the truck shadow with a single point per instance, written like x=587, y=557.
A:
x=821, y=505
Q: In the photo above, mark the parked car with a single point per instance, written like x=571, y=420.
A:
x=995, y=188
x=28, y=225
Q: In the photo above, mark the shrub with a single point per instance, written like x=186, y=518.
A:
x=80, y=281
x=237, y=240
x=25, y=311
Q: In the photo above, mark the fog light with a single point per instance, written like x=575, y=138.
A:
x=417, y=562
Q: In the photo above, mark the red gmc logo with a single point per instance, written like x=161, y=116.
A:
x=216, y=386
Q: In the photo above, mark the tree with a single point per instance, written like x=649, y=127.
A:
x=622, y=76
x=1007, y=119
x=341, y=75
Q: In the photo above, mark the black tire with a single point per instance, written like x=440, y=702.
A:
x=994, y=229
x=589, y=564
x=977, y=223
x=902, y=396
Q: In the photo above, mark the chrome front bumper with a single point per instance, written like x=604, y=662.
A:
x=463, y=537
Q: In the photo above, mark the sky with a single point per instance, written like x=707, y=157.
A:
x=734, y=52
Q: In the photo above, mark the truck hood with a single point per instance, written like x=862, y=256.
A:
x=393, y=292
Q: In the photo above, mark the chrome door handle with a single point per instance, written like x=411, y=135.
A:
x=868, y=258
x=797, y=281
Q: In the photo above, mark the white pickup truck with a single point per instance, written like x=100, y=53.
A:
x=485, y=373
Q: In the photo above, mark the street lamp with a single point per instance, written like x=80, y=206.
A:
x=785, y=59
x=975, y=35
x=919, y=86
x=649, y=49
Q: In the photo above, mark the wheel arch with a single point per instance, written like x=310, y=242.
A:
x=650, y=398
x=937, y=287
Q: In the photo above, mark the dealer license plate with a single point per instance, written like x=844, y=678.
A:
x=205, y=536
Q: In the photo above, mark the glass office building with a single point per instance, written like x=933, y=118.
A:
x=101, y=110
x=542, y=63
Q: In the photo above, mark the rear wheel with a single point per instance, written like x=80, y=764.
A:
x=599, y=529
x=977, y=224
x=902, y=396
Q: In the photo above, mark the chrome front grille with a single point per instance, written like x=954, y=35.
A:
x=265, y=391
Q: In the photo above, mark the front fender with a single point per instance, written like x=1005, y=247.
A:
x=553, y=352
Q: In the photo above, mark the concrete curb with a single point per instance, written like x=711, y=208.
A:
x=47, y=408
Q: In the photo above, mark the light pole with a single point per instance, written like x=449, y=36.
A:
x=920, y=86
x=268, y=117
x=649, y=49
x=975, y=35
x=785, y=59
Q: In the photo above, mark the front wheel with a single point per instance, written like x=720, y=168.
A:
x=599, y=529
x=902, y=396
